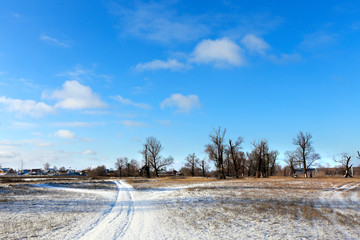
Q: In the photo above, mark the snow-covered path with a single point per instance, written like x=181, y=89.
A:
x=130, y=217
x=115, y=222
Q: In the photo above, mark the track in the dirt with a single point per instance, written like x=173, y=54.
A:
x=114, y=223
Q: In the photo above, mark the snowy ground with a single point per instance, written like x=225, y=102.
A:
x=193, y=208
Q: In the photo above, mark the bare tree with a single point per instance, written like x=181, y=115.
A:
x=291, y=162
x=46, y=166
x=216, y=149
x=156, y=161
x=251, y=163
x=345, y=162
x=121, y=162
x=132, y=168
x=100, y=170
x=204, y=167
x=262, y=159
x=234, y=154
x=146, y=166
x=271, y=160
x=192, y=162
x=305, y=153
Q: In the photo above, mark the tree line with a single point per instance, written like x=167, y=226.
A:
x=229, y=160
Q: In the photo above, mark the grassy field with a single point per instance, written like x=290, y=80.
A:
x=276, y=207
x=197, y=208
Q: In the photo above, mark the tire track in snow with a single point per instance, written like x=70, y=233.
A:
x=334, y=199
x=115, y=223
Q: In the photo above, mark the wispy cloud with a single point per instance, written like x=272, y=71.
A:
x=16, y=15
x=34, y=142
x=164, y=122
x=170, y=64
x=89, y=152
x=41, y=143
x=76, y=124
x=184, y=104
x=126, y=101
x=220, y=52
x=317, y=40
x=62, y=133
x=129, y=123
x=255, y=44
x=25, y=125
x=75, y=96
x=26, y=107
x=54, y=41
x=285, y=58
x=5, y=154
x=157, y=22
x=77, y=72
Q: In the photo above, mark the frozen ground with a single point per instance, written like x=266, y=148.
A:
x=193, y=208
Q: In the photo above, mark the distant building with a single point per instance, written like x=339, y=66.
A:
x=310, y=171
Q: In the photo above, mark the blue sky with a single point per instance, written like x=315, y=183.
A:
x=84, y=82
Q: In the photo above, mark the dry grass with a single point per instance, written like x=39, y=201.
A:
x=143, y=183
x=275, y=200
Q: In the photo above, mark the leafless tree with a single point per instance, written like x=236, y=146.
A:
x=242, y=161
x=271, y=162
x=251, y=163
x=156, y=161
x=263, y=159
x=216, y=149
x=46, y=166
x=345, y=162
x=146, y=166
x=291, y=162
x=305, y=153
x=204, y=167
x=234, y=154
x=192, y=162
x=120, y=164
x=100, y=170
x=132, y=168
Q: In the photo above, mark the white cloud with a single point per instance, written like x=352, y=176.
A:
x=41, y=143
x=317, y=40
x=221, y=52
x=76, y=124
x=157, y=22
x=34, y=142
x=7, y=154
x=126, y=101
x=53, y=41
x=184, y=103
x=38, y=134
x=285, y=58
x=16, y=15
x=137, y=139
x=164, y=122
x=89, y=152
x=75, y=96
x=255, y=44
x=77, y=72
x=26, y=107
x=129, y=123
x=170, y=64
x=25, y=125
x=64, y=134
x=91, y=112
